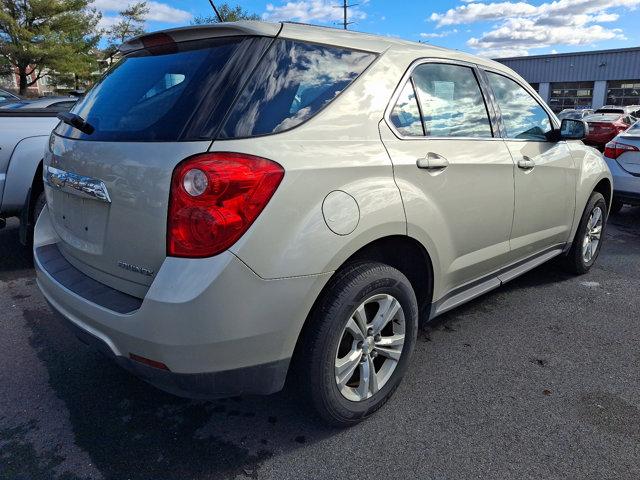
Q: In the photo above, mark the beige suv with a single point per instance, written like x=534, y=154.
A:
x=237, y=202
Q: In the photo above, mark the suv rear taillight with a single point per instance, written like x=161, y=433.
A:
x=214, y=199
x=614, y=149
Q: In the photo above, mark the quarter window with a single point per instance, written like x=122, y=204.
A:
x=406, y=114
x=522, y=116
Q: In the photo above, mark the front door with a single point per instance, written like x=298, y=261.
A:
x=454, y=173
x=545, y=172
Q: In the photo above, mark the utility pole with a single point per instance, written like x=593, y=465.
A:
x=345, y=7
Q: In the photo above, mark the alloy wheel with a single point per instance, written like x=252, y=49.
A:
x=592, y=236
x=370, y=347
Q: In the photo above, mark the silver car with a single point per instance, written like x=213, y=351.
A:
x=236, y=202
x=622, y=154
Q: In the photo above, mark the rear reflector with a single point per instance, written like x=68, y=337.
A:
x=614, y=149
x=208, y=214
x=148, y=362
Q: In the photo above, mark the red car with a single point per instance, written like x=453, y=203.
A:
x=603, y=127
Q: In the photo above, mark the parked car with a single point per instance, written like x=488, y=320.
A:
x=633, y=110
x=56, y=104
x=25, y=127
x=576, y=114
x=622, y=154
x=7, y=97
x=273, y=197
x=603, y=126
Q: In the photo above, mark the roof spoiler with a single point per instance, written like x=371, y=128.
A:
x=199, y=32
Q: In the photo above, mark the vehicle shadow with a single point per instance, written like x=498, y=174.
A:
x=132, y=430
x=16, y=261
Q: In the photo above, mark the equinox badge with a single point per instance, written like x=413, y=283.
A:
x=135, y=268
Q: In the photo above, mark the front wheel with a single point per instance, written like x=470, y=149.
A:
x=589, y=236
x=360, y=342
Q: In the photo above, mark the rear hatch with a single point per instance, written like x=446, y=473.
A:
x=108, y=190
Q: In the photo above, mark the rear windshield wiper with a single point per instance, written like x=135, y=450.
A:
x=76, y=121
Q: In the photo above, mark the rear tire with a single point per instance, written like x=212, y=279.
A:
x=38, y=206
x=589, y=236
x=363, y=327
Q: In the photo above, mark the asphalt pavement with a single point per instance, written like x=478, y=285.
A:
x=538, y=379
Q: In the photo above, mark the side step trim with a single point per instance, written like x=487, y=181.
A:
x=474, y=289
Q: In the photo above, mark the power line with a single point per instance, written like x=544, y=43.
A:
x=345, y=7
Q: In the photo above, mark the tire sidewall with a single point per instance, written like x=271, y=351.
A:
x=378, y=279
x=595, y=200
x=39, y=205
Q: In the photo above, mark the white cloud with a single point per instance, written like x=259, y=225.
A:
x=159, y=12
x=522, y=26
x=311, y=11
x=480, y=12
x=439, y=34
x=107, y=21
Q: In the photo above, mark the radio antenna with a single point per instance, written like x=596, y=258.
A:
x=216, y=10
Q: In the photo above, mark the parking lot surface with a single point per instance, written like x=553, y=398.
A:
x=538, y=379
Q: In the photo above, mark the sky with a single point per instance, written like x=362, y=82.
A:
x=491, y=29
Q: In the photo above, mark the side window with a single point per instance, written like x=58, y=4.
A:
x=406, y=114
x=451, y=101
x=292, y=83
x=522, y=115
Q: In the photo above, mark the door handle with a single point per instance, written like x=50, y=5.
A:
x=525, y=163
x=432, y=161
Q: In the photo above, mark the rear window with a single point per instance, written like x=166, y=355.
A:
x=228, y=87
x=292, y=83
x=610, y=110
x=168, y=94
x=603, y=117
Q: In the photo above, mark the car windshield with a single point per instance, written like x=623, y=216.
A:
x=603, y=117
x=572, y=115
x=634, y=129
x=13, y=106
x=42, y=105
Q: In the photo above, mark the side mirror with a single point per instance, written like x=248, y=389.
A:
x=572, y=129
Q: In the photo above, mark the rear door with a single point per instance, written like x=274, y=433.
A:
x=545, y=173
x=455, y=174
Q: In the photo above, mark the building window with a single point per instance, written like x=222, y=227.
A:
x=535, y=86
x=623, y=92
x=571, y=95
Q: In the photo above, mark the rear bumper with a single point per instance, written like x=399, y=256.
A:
x=219, y=328
x=626, y=187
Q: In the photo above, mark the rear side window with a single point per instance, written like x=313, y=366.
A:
x=170, y=93
x=451, y=101
x=447, y=98
x=293, y=82
x=522, y=116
